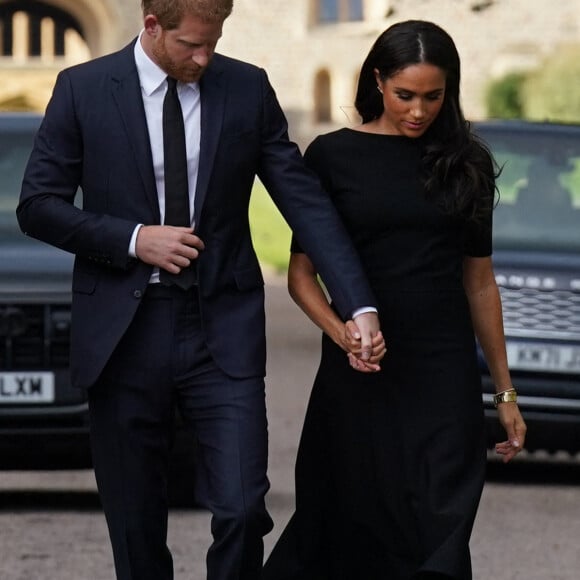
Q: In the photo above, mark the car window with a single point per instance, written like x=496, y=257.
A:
x=14, y=152
x=15, y=147
x=539, y=187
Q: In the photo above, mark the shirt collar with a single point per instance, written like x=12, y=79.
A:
x=151, y=76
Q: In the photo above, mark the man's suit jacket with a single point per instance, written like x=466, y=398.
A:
x=94, y=135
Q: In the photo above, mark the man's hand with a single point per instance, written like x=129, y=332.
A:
x=366, y=329
x=168, y=247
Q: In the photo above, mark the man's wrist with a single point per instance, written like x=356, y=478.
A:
x=364, y=310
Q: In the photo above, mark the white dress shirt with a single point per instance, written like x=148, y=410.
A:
x=153, y=81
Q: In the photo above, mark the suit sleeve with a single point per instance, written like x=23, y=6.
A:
x=313, y=157
x=52, y=178
x=309, y=211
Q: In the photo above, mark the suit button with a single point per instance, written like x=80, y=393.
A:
x=137, y=294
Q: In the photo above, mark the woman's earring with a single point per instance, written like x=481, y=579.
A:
x=379, y=89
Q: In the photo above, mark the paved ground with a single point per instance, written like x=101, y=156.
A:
x=51, y=527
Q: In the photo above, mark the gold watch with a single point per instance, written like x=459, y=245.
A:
x=507, y=396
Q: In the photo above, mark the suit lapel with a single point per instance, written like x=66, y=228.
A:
x=127, y=94
x=212, y=91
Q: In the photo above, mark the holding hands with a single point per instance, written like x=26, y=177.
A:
x=364, y=343
x=361, y=338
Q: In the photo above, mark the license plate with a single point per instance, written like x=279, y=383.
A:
x=543, y=357
x=26, y=387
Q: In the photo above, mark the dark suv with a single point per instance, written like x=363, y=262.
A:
x=43, y=419
x=537, y=265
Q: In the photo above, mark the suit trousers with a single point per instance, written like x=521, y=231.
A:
x=163, y=363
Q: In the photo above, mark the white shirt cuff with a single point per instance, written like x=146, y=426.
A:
x=133, y=242
x=363, y=310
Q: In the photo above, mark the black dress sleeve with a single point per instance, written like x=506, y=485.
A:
x=478, y=238
x=478, y=242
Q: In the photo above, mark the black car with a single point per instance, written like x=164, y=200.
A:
x=43, y=419
x=537, y=265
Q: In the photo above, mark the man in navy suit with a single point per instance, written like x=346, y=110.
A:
x=142, y=345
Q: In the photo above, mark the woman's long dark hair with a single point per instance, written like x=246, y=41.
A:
x=456, y=161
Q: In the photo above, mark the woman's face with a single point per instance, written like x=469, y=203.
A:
x=412, y=99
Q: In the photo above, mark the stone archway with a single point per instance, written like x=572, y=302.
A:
x=98, y=27
x=101, y=22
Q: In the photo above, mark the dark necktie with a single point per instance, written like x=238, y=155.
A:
x=176, y=183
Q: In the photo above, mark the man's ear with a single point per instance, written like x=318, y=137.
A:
x=151, y=25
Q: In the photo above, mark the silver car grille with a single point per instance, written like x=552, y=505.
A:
x=535, y=313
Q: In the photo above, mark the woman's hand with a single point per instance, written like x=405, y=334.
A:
x=515, y=427
x=364, y=346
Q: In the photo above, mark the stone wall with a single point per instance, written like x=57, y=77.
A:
x=492, y=36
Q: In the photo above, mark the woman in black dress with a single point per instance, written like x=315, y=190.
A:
x=391, y=462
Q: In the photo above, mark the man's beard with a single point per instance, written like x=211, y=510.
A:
x=185, y=74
